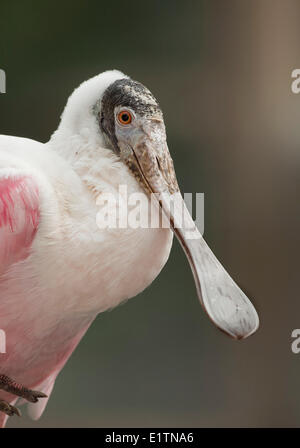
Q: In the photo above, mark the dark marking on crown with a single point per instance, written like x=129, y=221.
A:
x=126, y=93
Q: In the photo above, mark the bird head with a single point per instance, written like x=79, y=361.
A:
x=132, y=123
x=122, y=115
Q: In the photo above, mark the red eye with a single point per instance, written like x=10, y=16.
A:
x=125, y=117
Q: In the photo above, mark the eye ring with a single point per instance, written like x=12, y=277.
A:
x=124, y=117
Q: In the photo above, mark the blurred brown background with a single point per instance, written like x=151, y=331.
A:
x=222, y=73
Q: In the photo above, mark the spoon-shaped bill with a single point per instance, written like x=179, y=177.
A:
x=224, y=302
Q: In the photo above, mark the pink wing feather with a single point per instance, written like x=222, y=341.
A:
x=19, y=217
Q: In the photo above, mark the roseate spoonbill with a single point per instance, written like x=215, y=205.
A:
x=59, y=269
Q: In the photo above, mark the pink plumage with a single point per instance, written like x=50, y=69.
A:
x=58, y=267
x=19, y=216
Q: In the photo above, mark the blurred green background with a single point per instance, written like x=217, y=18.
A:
x=222, y=73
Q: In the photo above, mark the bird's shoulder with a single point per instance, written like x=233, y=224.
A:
x=34, y=182
x=19, y=206
x=51, y=173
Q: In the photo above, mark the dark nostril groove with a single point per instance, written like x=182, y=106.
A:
x=158, y=163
